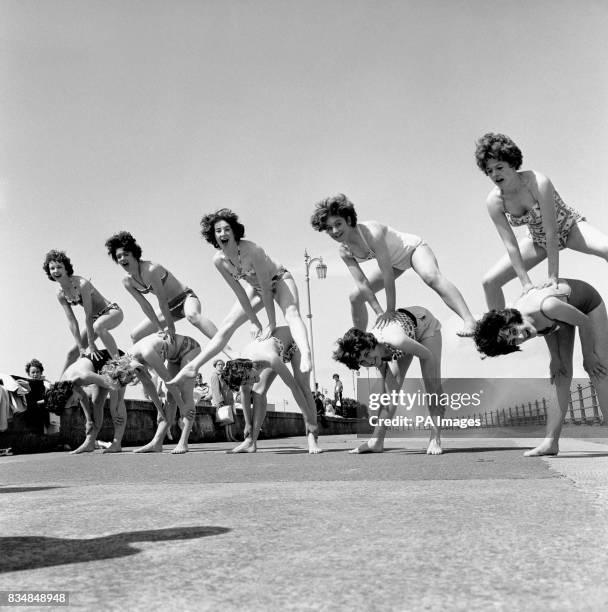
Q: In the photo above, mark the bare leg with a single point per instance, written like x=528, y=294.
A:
x=310, y=413
x=187, y=412
x=156, y=444
x=561, y=347
x=358, y=301
x=585, y=238
x=118, y=410
x=502, y=272
x=235, y=318
x=192, y=310
x=145, y=328
x=286, y=295
x=93, y=411
x=254, y=417
x=431, y=373
x=106, y=322
x=425, y=265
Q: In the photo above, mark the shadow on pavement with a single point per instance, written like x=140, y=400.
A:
x=25, y=489
x=34, y=552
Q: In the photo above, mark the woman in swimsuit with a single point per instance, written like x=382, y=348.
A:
x=264, y=283
x=100, y=315
x=394, y=251
x=528, y=197
x=88, y=373
x=175, y=300
x=554, y=312
x=262, y=361
x=166, y=356
x=413, y=332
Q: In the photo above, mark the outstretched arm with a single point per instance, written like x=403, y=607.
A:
x=72, y=323
x=238, y=290
x=377, y=239
x=143, y=303
x=259, y=261
x=159, y=291
x=497, y=214
x=546, y=195
x=361, y=281
x=86, y=290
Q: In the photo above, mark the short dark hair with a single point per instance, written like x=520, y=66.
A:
x=34, y=363
x=125, y=241
x=351, y=345
x=336, y=206
x=498, y=147
x=223, y=214
x=218, y=361
x=57, y=396
x=487, y=332
x=59, y=257
x=235, y=371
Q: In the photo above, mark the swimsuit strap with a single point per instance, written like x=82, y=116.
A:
x=534, y=199
x=370, y=253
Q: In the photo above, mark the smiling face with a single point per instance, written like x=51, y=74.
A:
x=371, y=358
x=501, y=173
x=57, y=270
x=518, y=334
x=224, y=234
x=338, y=228
x=125, y=259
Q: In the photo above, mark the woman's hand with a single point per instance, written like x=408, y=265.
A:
x=557, y=369
x=264, y=334
x=255, y=330
x=384, y=319
x=594, y=366
x=550, y=282
x=527, y=287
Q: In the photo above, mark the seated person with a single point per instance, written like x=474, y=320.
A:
x=262, y=361
x=554, y=313
x=414, y=332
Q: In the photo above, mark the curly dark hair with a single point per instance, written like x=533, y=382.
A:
x=498, y=147
x=235, y=371
x=487, y=332
x=336, y=206
x=223, y=214
x=125, y=241
x=34, y=363
x=120, y=371
x=59, y=257
x=351, y=345
x=57, y=396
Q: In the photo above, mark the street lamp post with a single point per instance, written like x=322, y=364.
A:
x=321, y=269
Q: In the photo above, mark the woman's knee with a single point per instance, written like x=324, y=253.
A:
x=490, y=281
x=432, y=279
x=356, y=297
x=291, y=313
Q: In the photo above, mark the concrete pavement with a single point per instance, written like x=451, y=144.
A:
x=479, y=527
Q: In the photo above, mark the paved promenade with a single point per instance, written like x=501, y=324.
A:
x=477, y=528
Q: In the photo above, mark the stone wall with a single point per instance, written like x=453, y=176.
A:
x=141, y=424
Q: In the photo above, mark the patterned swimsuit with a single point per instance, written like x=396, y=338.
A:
x=567, y=217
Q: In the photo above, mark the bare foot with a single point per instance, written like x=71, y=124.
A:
x=468, y=331
x=547, y=447
x=434, y=447
x=156, y=446
x=247, y=446
x=102, y=444
x=88, y=446
x=373, y=445
x=305, y=363
x=313, y=447
x=187, y=372
x=180, y=449
x=114, y=447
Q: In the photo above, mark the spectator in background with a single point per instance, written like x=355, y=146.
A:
x=338, y=387
x=220, y=394
x=35, y=370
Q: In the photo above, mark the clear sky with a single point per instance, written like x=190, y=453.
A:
x=144, y=115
